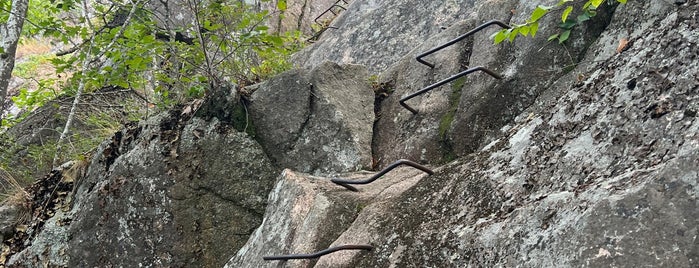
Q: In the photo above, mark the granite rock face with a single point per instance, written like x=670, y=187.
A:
x=316, y=122
x=378, y=33
x=462, y=116
x=593, y=163
x=176, y=190
x=300, y=15
x=307, y=213
x=600, y=168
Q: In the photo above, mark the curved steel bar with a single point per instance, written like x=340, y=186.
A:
x=435, y=85
x=317, y=254
x=345, y=183
x=330, y=9
x=481, y=27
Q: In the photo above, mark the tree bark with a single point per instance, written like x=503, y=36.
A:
x=9, y=37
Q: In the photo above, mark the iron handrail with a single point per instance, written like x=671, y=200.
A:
x=319, y=253
x=447, y=44
x=435, y=85
x=345, y=183
x=330, y=9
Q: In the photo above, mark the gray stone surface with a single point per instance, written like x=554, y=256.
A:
x=302, y=216
x=299, y=14
x=462, y=116
x=378, y=33
x=596, y=166
x=9, y=217
x=600, y=170
x=280, y=107
x=320, y=122
x=306, y=214
x=174, y=191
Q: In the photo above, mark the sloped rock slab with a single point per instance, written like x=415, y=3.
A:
x=307, y=213
x=378, y=33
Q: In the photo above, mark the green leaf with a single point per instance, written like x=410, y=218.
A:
x=209, y=26
x=591, y=13
x=562, y=2
x=121, y=83
x=281, y=5
x=568, y=25
x=533, y=28
x=583, y=17
x=148, y=39
x=566, y=12
x=553, y=37
x=134, y=63
x=500, y=36
x=524, y=30
x=621, y=1
x=564, y=36
x=276, y=40
x=513, y=34
x=539, y=12
x=596, y=3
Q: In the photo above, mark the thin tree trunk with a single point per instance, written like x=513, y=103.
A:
x=81, y=85
x=299, y=22
x=9, y=37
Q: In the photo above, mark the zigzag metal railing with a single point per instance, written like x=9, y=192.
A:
x=318, y=254
x=456, y=76
x=330, y=9
x=322, y=25
x=345, y=183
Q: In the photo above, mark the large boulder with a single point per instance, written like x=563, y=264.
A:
x=316, y=122
x=177, y=190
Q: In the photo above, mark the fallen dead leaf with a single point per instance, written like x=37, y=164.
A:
x=623, y=45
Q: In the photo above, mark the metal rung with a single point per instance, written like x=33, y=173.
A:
x=440, y=83
x=462, y=37
x=318, y=254
x=345, y=183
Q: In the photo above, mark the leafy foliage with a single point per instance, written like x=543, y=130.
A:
x=227, y=42
x=139, y=46
x=531, y=26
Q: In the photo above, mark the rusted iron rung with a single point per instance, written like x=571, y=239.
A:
x=345, y=183
x=440, y=83
x=318, y=254
x=462, y=37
